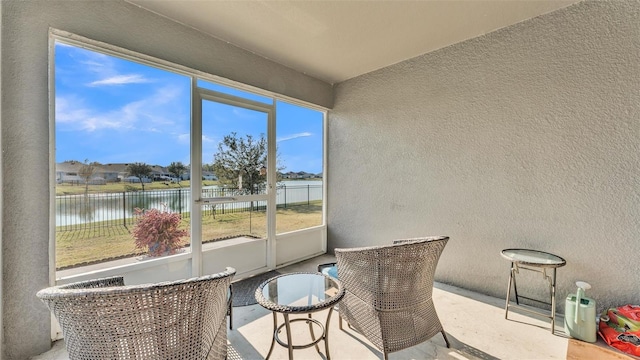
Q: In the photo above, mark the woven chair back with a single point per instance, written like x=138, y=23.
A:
x=104, y=319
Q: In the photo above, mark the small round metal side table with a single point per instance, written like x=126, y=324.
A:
x=300, y=293
x=537, y=261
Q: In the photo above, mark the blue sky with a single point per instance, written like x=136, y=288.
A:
x=112, y=110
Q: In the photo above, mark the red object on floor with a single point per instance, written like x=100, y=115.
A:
x=620, y=328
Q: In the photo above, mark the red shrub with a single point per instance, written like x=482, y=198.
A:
x=157, y=232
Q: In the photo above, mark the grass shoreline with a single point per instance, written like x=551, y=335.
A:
x=119, y=187
x=82, y=247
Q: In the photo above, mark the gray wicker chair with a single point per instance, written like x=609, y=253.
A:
x=104, y=319
x=389, y=292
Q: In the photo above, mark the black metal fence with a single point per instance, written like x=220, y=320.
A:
x=82, y=212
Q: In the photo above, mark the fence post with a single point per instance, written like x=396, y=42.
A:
x=285, y=196
x=308, y=196
x=180, y=201
x=124, y=209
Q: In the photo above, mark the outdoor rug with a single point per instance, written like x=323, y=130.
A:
x=244, y=290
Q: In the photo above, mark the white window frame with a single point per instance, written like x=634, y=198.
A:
x=105, y=48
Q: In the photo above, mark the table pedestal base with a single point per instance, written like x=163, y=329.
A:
x=324, y=329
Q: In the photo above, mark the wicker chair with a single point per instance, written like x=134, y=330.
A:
x=388, y=292
x=103, y=319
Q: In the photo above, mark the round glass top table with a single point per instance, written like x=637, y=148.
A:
x=538, y=261
x=533, y=258
x=300, y=293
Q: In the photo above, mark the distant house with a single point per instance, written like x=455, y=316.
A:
x=304, y=175
x=160, y=173
x=116, y=172
x=208, y=175
x=120, y=172
x=69, y=172
x=299, y=175
x=135, y=179
x=162, y=177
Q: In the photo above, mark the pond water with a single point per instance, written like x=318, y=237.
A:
x=120, y=207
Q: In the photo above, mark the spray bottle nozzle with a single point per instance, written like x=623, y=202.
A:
x=582, y=286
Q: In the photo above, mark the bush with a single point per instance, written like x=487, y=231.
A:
x=157, y=232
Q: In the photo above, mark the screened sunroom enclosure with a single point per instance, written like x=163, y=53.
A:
x=248, y=185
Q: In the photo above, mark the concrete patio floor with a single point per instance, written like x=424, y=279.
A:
x=474, y=324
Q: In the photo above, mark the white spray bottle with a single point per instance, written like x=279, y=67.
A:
x=580, y=314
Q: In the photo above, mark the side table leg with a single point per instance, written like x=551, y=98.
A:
x=553, y=302
x=506, y=307
x=326, y=334
x=273, y=338
x=313, y=335
x=287, y=325
x=515, y=284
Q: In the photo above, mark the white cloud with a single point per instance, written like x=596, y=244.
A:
x=294, y=136
x=95, y=66
x=207, y=139
x=186, y=137
x=95, y=62
x=121, y=80
x=107, y=121
x=153, y=113
x=69, y=110
x=101, y=68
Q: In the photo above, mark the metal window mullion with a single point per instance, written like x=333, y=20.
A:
x=325, y=141
x=196, y=179
x=52, y=165
x=271, y=188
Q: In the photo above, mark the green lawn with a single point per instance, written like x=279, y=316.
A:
x=81, y=247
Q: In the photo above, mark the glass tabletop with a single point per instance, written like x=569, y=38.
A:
x=533, y=257
x=299, y=292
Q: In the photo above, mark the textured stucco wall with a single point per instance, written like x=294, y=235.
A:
x=525, y=137
x=25, y=127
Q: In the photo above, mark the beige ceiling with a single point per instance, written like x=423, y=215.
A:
x=338, y=40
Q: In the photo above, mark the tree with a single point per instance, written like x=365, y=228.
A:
x=139, y=170
x=86, y=171
x=241, y=158
x=177, y=169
